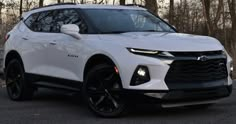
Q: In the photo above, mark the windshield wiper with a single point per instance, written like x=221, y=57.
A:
x=120, y=32
x=149, y=31
x=114, y=32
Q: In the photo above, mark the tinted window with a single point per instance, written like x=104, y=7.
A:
x=45, y=21
x=51, y=21
x=40, y=22
x=31, y=19
x=69, y=16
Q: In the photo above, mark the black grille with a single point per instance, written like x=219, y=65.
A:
x=191, y=71
x=196, y=54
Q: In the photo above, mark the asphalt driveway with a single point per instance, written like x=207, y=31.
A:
x=53, y=107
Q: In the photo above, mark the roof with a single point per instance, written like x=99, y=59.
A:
x=80, y=6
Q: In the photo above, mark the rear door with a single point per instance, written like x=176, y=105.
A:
x=36, y=38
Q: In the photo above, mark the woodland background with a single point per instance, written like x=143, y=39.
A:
x=216, y=18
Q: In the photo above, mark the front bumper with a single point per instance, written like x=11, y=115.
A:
x=173, y=73
x=178, y=96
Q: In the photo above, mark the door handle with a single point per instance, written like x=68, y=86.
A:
x=25, y=38
x=53, y=43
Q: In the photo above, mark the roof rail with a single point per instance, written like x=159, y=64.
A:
x=137, y=5
x=57, y=4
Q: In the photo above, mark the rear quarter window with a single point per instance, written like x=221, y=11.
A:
x=31, y=19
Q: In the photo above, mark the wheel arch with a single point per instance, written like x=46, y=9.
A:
x=95, y=60
x=12, y=55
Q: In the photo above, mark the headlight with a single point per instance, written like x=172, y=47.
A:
x=143, y=52
x=153, y=53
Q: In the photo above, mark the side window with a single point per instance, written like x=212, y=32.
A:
x=31, y=19
x=51, y=21
x=40, y=22
x=44, y=22
x=68, y=16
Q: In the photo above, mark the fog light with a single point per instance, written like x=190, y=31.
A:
x=141, y=72
x=140, y=76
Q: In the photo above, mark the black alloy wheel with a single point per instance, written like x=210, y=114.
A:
x=17, y=87
x=102, y=91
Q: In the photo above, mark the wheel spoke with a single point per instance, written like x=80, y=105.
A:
x=94, y=91
x=112, y=99
x=103, y=90
x=13, y=81
x=10, y=82
x=18, y=87
x=100, y=100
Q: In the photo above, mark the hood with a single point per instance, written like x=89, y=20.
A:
x=163, y=41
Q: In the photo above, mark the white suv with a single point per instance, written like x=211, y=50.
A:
x=115, y=55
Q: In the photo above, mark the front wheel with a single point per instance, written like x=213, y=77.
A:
x=102, y=91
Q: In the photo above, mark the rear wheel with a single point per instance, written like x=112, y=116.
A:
x=17, y=87
x=102, y=91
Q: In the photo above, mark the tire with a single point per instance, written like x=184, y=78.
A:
x=102, y=91
x=18, y=88
x=201, y=106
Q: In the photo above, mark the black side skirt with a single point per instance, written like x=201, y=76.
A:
x=53, y=82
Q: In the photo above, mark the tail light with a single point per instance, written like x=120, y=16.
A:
x=7, y=37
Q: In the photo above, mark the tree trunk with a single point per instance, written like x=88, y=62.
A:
x=212, y=24
x=82, y=1
x=1, y=5
x=232, y=9
x=122, y=2
x=206, y=12
x=171, y=12
x=41, y=3
x=27, y=5
x=58, y=1
x=151, y=5
x=21, y=6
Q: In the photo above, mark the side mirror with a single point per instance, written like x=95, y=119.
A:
x=72, y=30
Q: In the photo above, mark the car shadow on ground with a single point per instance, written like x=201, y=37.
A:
x=75, y=104
x=69, y=99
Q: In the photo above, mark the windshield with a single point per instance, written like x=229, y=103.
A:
x=120, y=21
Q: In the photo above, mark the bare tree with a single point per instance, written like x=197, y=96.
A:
x=232, y=9
x=151, y=5
x=212, y=23
x=171, y=11
x=1, y=7
x=41, y=3
x=82, y=2
x=122, y=2
x=21, y=8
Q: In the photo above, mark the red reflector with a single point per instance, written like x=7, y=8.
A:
x=7, y=37
x=116, y=70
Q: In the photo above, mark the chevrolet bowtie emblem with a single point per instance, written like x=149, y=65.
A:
x=202, y=58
